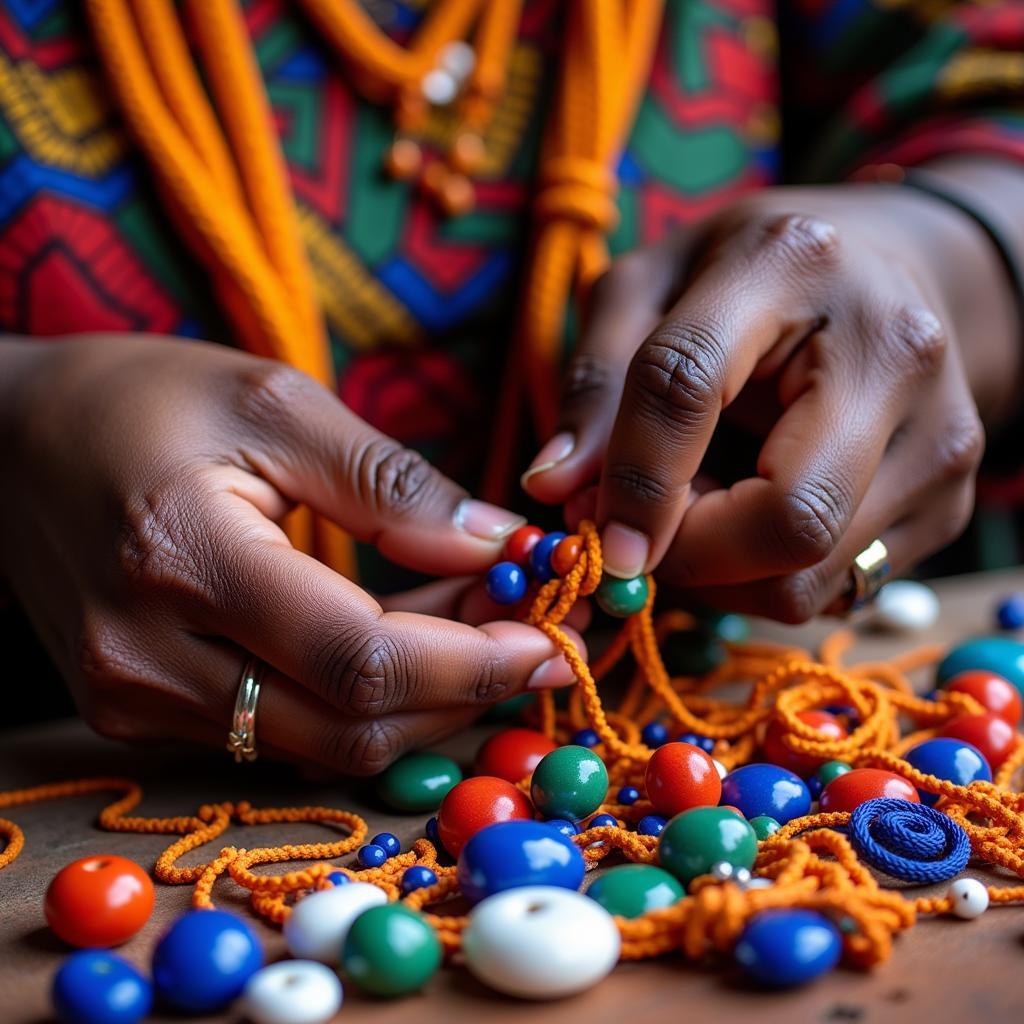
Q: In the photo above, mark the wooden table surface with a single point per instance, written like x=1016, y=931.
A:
x=942, y=970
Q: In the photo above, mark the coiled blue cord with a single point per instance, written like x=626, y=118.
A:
x=909, y=841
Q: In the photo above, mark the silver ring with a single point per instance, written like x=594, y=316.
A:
x=242, y=738
x=869, y=571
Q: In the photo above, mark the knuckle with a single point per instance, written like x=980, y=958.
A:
x=957, y=520
x=809, y=521
x=104, y=658
x=586, y=377
x=641, y=486
x=919, y=341
x=271, y=392
x=801, y=239
x=960, y=448
x=364, y=674
x=795, y=599
x=369, y=749
x=491, y=684
x=105, y=720
x=393, y=480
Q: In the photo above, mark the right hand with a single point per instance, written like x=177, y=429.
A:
x=145, y=481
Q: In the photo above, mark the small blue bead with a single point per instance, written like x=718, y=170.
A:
x=651, y=825
x=654, y=734
x=417, y=877
x=388, y=842
x=506, y=583
x=564, y=826
x=586, y=738
x=371, y=856
x=601, y=819
x=628, y=795
x=1010, y=612
x=338, y=878
x=430, y=830
x=689, y=737
x=933, y=695
x=540, y=556
x=97, y=987
x=781, y=948
x=814, y=787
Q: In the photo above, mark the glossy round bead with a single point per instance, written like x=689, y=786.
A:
x=292, y=992
x=680, y=776
x=388, y=842
x=720, y=768
x=602, y=820
x=627, y=796
x=94, y=987
x=847, y=792
x=759, y=789
x=512, y=754
x=999, y=654
x=654, y=734
x=630, y=890
x=781, y=948
x=476, y=803
x=417, y=877
x=540, y=556
x=585, y=738
x=404, y=159
x=831, y=770
x=319, y=922
x=993, y=736
x=621, y=598
x=540, y=942
x=339, y=878
x=969, y=898
x=1010, y=612
x=506, y=583
x=206, y=957
x=514, y=854
x=905, y=606
x=98, y=901
x=706, y=743
x=371, y=856
x=570, y=782
x=777, y=752
x=992, y=692
x=418, y=782
x=391, y=951
x=693, y=652
x=728, y=626
x=566, y=554
x=949, y=759
x=696, y=840
x=651, y=825
x=521, y=542
x=814, y=787
x=764, y=826
x=430, y=831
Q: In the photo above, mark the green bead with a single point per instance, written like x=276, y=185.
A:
x=632, y=889
x=696, y=839
x=692, y=652
x=570, y=782
x=418, y=782
x=764, y=826
x=391, y=951
x=727, y=626
x=832, y=770
x=509, y=710
x=620, y=597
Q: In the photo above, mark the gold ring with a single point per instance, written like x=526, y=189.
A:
x=869, y=571
x=242, y=738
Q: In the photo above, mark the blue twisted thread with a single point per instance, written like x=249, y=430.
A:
x=909, y=841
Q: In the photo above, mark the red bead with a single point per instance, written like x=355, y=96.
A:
x=680, y=776
x=992, y=735
x=848, y=791
x=512, y=754
x=474, y=804
x=992, y=692
x=565, y=555
x=776, y=752
x=98, y=901
x=521, y=542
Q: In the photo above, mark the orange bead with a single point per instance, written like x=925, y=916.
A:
x=457, y=195
x=513, y=754
x=992, y=735
x=680, y=776
x=992, y=692
x=777, y=752
x=848, y=791
x=566, y=554
x=467, y=153
x=474, y=804
x=404, y=159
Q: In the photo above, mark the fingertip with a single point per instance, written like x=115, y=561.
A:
x=549, y=476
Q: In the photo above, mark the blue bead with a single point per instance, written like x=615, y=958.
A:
x=417, y=877
x=602, y=819
x=430, y=830
x=949, y=759
x=506, y=583
x=651, y=825
x=689, y=737
x=513, y=854
x=586, y=738
x=998, y=654
x=1010, y=612
x=96, y=987
x=564, y=826
x=814, y=787
x=782, y=948
x=628, y=795
x=204, y=960
x=654, y=734
x=540, y=556
x=766, y=789
x=338, y=878
x=371, y=856
x=388, y=842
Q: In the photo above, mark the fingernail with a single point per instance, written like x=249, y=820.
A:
x=625, y=550
x=557, y=450
x=552, y=673
x=488, y=522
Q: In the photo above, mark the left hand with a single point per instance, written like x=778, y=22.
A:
x=857, y=328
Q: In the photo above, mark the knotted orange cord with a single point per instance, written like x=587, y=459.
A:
x=811, y=865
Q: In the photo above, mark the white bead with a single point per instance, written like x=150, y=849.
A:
x=970, y=898
x=318, y=924
x=720, y=768
x=439, y=87
x=758, y=883
x=906, y=606
x=721, y=870
x=540, y=942
x=458, y=59
x=292, y=992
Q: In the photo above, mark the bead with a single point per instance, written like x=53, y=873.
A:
x=370, y=856
x=775, y=750
x=847, y=792
x=706, y=743
x=759, y=883
x=759, y=789
x=292, y=992
x=206, y=957
x=585, y=738
x=621, y=598
x=949, y=759
x=692, y=652
x=510, y=709
x=566, y=554
x=969, y=898
x=741, y=876
x=417, y=877
x=94, y=987
x=602, y=820
x=999, y=654
x=764, y=826
x=651, y=825
x=654, y=734
x=991, y=691
x=505, y=583
x=439, y=87
x=513, y=754
x=98, y=901
x=781, y=948
x=513, y=854
x=404, y=159
x=388, y=842
x=627, y=796
x=680, y=776
x=1010, y=612
x=391, y=951
x=339, y=878
x=814, y=787
x=318, y=923
x=418, y=782
x=521, y=542
x=540, y=942
x=905, y=606
x=720, y=768
x=467, y=153
x=993, y=736
x=563, y=826
x=721, y=871
x=630, y=890
x=430, y=831
x=727, y=626
x=476, y=803
x=457, y=58
x=540, y=556
x=831, y=770
x=570, y=782
x=699, y=838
